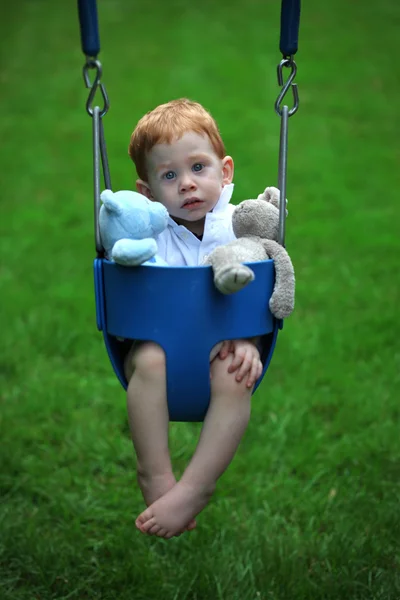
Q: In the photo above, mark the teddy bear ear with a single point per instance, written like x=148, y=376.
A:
x=272, y=196
x=110, y=202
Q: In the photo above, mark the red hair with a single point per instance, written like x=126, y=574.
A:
x=168, y=122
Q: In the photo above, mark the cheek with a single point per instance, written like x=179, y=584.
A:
x=215, y=184
x=213, y=179
x=162, y=187
x=167, y=192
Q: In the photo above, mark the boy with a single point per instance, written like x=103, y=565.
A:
x=181, y=162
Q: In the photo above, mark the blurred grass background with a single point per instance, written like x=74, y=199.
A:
x=310, y=507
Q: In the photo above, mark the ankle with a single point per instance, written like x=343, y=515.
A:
x=152, y=471
x=204, y=487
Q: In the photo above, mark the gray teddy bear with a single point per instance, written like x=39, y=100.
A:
x=255, y=224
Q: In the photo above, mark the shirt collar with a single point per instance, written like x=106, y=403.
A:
x=223, y=201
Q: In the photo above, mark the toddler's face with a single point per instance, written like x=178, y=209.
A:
x=187, y=177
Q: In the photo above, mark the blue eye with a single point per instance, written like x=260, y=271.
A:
x=169, y=175
x=197, y=167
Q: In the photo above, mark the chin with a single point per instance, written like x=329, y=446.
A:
x=195, y=215
x=199, y=217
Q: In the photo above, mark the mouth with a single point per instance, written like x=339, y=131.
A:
x=191, y=203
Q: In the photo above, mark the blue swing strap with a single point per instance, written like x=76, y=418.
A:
x=290, y=21
x=89, y=27
x=90, y=40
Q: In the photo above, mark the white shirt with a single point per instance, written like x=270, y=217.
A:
x=180, y=247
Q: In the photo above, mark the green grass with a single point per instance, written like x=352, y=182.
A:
x=310, y=507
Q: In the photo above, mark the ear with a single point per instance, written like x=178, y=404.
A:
x=110, y=203
x=144, y=188
x=227, y=170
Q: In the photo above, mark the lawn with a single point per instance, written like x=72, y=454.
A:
x=310, y=507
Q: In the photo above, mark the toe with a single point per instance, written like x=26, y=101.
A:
x=138, y=524
x=148, y=525
x=154, y=530
x=192, y=525
x=143, y=518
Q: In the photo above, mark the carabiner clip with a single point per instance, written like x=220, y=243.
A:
x=287, y=62
x=95, y=64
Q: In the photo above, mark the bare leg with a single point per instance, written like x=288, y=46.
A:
x=223, y=428
x=149, y=422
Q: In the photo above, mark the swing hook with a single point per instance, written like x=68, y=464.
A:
x=287, y=62
x=95, y=64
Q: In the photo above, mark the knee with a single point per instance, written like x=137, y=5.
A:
x=224, y=384
x=148, y=360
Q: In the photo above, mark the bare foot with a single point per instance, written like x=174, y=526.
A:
x=170, y=514
x=155, y=486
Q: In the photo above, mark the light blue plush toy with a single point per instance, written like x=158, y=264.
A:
x=129, y=222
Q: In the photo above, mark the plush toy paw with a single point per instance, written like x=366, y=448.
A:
x=131, y=253
x=281, y=305
x=232, y=278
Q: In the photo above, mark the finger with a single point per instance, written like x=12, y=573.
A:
x=223, y=353
x=260, y=369
x=236, y=362
x=253, y=373
x=225, y=349
x=245, y=367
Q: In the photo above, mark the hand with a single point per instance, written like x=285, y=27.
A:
x=246, y=360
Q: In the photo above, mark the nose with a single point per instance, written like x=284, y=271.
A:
x=187, y=183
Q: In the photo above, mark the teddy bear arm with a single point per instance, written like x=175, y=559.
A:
x=132, y=253
x=282, y=300
x=230, y=274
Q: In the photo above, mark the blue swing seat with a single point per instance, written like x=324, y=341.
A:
x=180, y=309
